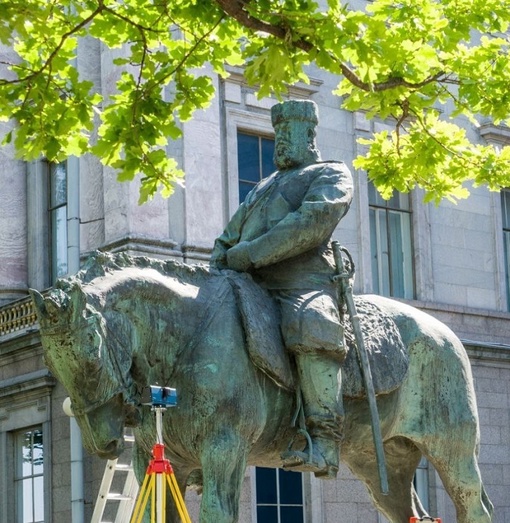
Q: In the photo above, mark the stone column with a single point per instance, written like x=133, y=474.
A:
x=13, y=224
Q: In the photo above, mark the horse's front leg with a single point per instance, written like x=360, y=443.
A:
x=223, y=466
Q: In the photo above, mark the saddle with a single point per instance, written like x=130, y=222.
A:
x=387, y=354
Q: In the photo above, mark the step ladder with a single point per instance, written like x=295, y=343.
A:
x=119, y=489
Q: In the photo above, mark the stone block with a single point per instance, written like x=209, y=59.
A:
x=491, y=383
x=361, y=123
x=265, y=103
x=337, y=512
x=329, y=490
x=490, y=435
x=492, y=474
x=233, y=92
x=452, y=294
x=494, y=455
x=492, y=399
x=349, y=490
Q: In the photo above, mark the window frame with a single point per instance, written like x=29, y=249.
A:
x=20, y=477
x=39, y=226
x=260, y=151
x=387, y=209
x=421, y=237
x=246, y=122
x=58, y=240
x=29, y=406
x=280, y=474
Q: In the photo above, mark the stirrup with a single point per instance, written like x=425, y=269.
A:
x=303, y=460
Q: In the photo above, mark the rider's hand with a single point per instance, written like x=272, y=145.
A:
x=238, y=257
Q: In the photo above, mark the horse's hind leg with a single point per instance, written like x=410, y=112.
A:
x=458, y=469
x=223, y=467
x=402, y=458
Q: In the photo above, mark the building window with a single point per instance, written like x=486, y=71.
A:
x=29, y=479
x=505, y=208
x=391, y=245
x=255, y=160
x=58, y=219
x=279, y=496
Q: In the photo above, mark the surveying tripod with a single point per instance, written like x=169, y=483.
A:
x=159, y=472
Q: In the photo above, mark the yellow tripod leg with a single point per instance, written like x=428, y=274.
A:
x=141, y=501
x=163, y=496
x=153, y=498
x=179, y=501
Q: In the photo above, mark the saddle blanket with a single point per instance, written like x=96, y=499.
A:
x=387, y=354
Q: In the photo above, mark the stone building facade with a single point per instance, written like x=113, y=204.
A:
x=449, y=261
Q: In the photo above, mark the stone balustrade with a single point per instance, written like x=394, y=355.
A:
x=17, y=316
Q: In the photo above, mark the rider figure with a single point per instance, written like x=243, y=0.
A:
x=281, y=234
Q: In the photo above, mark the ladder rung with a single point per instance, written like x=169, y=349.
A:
x=117, y=496
x=123, y=466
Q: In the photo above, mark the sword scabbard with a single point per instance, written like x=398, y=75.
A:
x=344, y=277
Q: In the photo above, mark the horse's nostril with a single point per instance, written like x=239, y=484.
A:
x=112, y=450
x=111, y=446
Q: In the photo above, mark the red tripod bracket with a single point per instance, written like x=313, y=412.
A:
x=159, y=465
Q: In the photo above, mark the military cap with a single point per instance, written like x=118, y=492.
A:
x=300, y=110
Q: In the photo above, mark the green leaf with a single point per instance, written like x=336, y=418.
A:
x=405, y=61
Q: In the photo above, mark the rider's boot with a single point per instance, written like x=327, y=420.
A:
x=321, y=388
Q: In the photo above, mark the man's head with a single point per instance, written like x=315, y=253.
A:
x=294, y=123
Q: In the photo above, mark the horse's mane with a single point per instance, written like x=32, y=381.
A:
x=101, y=263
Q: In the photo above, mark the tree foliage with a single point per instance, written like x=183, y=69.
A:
x=418, y=63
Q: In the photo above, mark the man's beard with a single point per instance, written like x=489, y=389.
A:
x=284, y=159
x=285, y=162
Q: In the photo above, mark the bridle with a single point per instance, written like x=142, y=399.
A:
x=125, y=385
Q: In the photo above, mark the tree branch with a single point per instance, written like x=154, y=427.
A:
x=59, y=46
x=236, y=9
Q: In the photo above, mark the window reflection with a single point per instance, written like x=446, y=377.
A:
x=255, y=161
x=29, y=479
x=279, y=496
x=58, y=219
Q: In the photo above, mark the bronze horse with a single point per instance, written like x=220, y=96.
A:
x=124, y=323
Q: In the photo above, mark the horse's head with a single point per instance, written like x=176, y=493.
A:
x=96, y=376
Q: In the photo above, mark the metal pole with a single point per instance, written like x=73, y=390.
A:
x=343, y=277
x=160, y=484
x=73, y=266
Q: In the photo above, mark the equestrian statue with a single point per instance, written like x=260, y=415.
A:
x=275, y=362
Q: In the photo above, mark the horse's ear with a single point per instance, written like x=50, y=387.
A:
x=39, y=305
x=50, y=309
x=78, y=300
x=75, y=296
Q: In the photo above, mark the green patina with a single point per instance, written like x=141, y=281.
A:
x=125, y=323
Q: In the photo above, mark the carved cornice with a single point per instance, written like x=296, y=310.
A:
x=298, y=90
x=496, y=134
x=488, y=352
x=143, y=246
x=39, y=383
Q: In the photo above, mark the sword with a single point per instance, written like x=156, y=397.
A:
x=343, y=278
